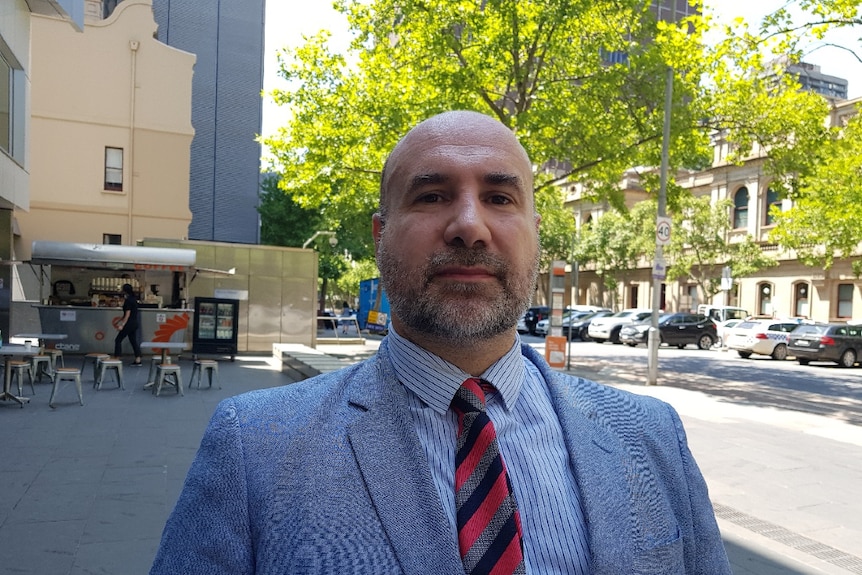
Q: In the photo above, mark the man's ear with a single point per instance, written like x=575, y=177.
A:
x=376, y=229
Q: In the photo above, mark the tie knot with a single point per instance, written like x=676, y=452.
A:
x=470, y=397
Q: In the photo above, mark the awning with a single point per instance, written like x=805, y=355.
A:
x=114, y=257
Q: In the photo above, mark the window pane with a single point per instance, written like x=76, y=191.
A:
x=5, y=105
x=740, y=208
x=772, y=199
x=113, y=168
x=845, y=300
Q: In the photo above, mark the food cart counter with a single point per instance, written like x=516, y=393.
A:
x=84, y=299
x=93, y=329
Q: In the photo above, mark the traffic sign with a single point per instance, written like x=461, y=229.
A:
x=662, y=230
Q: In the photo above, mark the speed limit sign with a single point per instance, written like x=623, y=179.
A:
x=662, y=230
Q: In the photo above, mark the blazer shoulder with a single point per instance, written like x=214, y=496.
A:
x=323, y=396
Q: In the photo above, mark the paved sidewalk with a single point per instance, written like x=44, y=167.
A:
x=87, y=489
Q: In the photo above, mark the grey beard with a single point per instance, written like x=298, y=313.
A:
x=458, y=314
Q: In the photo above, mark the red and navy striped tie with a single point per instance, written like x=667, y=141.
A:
x=489, y=528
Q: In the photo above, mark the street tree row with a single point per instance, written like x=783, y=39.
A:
x=581, y=83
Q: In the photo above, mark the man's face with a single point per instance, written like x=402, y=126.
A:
x=457, y=245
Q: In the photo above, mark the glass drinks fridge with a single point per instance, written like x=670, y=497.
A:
x=215, y=326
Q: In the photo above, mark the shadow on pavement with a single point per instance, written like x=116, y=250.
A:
x=734, y=382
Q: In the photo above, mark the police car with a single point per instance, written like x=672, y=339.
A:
x=761, y=336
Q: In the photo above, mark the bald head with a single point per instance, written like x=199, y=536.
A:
x=456, y=130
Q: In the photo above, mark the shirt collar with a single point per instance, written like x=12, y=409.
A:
x=435, y=380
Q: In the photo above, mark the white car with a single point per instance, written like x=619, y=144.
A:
x=608, y=328
x=761, y=336
x=723, y=330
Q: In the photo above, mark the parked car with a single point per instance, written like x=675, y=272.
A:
x=761, y=336
x=679, y=329
x=608, y=328
x=579, y=326
x=836, y=342
x=723, y=330
x=534, y=315
x=570, y=315
x=522, y=326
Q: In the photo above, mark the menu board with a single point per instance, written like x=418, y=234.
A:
x=206, y=321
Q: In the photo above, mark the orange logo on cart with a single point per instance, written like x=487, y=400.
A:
x=100, y=336
x=172, y=330
x=117, y=321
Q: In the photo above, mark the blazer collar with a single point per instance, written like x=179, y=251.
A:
x=396, y=475
x=600, y=467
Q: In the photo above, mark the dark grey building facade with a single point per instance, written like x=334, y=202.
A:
x=227, y=36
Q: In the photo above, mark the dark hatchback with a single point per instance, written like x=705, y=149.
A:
x=833, y=342
x=679, y=329
x=578, y=327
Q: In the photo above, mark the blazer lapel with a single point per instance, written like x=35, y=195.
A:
x=599, y=467
x=396, y=475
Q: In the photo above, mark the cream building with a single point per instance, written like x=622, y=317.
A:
x=15, y=89
x=110, y=131
x=789, y=289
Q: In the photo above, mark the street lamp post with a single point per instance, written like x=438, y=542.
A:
x=333, y=241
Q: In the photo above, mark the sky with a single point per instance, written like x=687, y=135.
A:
x=288, y=20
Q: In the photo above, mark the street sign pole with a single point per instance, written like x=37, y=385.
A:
x=662, y=236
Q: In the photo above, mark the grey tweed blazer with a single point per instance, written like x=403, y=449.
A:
x=327, y=476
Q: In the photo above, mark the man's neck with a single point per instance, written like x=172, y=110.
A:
x=473, y=359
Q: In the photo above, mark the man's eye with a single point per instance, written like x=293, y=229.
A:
x=500, y=200
x=429, y=198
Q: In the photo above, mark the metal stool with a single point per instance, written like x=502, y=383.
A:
x=107, y=364
x=41, y=365
x=56, y=357
x=154, y=363
x=18, y=368
x=163, y=370
x=204, y=365
x=66, y=373
x=94, y=357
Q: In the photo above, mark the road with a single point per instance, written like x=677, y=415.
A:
x=780, y=446
x=820, y=389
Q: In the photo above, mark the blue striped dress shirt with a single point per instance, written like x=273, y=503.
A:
x=530, y=438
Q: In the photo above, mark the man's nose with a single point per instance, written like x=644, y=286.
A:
x=467, y=225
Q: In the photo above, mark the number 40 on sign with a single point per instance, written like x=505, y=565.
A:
x=662, y=230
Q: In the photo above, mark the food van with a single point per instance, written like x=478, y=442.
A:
x=81, y=287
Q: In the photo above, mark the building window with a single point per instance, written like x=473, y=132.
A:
x=764, y=299
x=845, y=300
x=114, y=169
x=633, y=295
x=5, y=105
x=800, y=299
x=740, y=208
x=112, y=239
x=772, y=199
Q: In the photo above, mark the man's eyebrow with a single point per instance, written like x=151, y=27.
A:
x=421, y=180
x=504, y=179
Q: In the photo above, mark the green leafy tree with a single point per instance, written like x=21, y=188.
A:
x=283, y=222
x=580, y=83
x=542, y=68
x=616, y=244
x=825, y=221
x=701, y=244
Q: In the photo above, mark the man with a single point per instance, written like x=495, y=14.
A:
x=363, y=470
